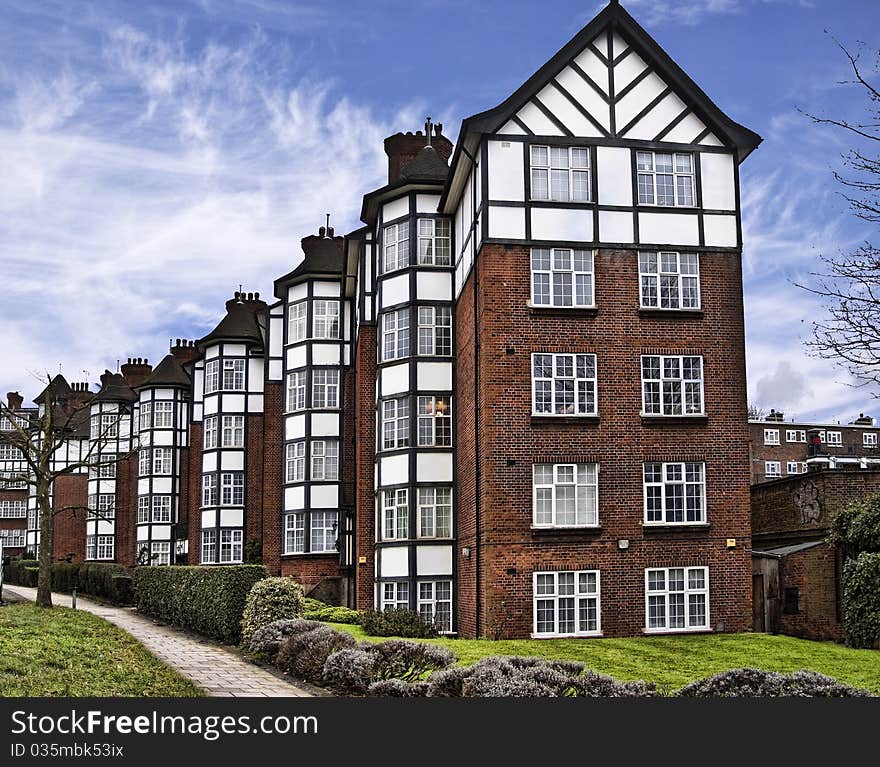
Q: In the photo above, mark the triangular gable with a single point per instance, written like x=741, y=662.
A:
x=612, y=80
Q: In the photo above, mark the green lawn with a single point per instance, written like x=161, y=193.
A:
x=673, y=661
x=62, y=652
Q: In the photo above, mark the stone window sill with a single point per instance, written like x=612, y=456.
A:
x=567, y=420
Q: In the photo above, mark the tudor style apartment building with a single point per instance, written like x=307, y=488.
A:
x=514, y=400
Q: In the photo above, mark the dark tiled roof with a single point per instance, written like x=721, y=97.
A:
x=239, y=324
x=114, y=389
x=58, y=389
x=427, y=165
x=323, y=255
x=169, y=372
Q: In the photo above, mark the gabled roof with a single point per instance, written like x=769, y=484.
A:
x=57, y=388
x=169, y=372
x=239, y=324
x=615, y=18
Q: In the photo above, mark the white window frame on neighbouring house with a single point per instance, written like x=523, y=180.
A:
x=560, y=173
x=325, y=319
x=434, y=603
x=869, y=439
x=395, y=423
x=233, y=431
x=296, y=391
x=295, y=461
x=563, y=277
x=325, y=388
x=434, y=331
x=674, y=493
x=795, y=435
x=772, y=469
x=661, y=592
x=12, y=538
x=435, y=236
x=395, y=514
x=325, y=459
x=395, y=334
x=209, y=547
x=669, y=280
x=834, y=439
x=231, y=546
x=323, y=526
x=565, y=495
x=394, y=595
x=297, y=322
x=771, y=436
x=672, y=385
x=395, y=246
x=566, y=603
x=563, y=384
x=434, y=512
x=160, y=553
x=13, y=510
x=671, y=184
x=434, y=426
x=795, y=467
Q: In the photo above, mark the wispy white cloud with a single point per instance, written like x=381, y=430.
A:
x=691, y=12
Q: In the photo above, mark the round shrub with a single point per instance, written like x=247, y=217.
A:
x=397, y=688
x=268, y=639
x=409, y=661
x=447, y=682
x=270, y=599
x=304, y=655
x=399, y=622
x=756, y=683
x=349, y=671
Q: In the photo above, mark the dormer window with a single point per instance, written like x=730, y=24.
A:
x=665, y=178
x=325, y=319
x=561, y=173
x=396, y=238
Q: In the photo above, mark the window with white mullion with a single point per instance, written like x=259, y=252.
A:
x=209, y=546
x=322, y=527
x=672, y=386
x=434, y=242
x=434, y=421
x=395, y=423
x=296, y=391
x=562, y=277
x=435, y=604
x=161, y=508
x=325, y=388
x=565, y=495
x=396, y=244
x=233, y=431
x=435, y=331
x=395, y=514
x=669, y=280
x=869, y=439
x=163, y=460
x=665, y=178
x=160, y=553
x=296, y=322
x=212, y=376
x=395, y=335
x=325, y=319
x=675, y=493
x=560, y=173
x=676, y=599
x=435, y=512
x=295, y=533
x=295, y=462
x=566, y=603
x=13, y=509
x=772, y=469
x=145, y=415
x=325, y=459
x=563, y=384
x=233, y=375
x=209, y=490
x=394, y=595
x=771, y=436
x=231, y=545
x=232, y=488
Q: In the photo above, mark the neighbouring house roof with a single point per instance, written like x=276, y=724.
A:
x=783, y=551
x=57, y=388
x=239, y=324
x=323, y=256
x=114, y=389
x=169, y=372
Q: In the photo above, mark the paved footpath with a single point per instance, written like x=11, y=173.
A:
x=217, y=670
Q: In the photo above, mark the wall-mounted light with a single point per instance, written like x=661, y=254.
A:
x=731, y=543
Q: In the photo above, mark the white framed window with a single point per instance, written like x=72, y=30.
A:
x=325, y=388
x=233, y=375
x=160, y=553
x=665, y=178
x=296, y=390
x=296, y=322
x=435, y=604
x=395, y=514
x=395, y=423
x=565, y=495
x=795, y=435
x=143, y=462
x=10, y=452
x=325, y=319
x=163, y=415
x=143, y=512
x=672, y=385
x=562, y=277
x=772, y=469
x=434, y=242
x=105, y=426
x=210, y=439
x=106, y=506
x=209, y=546
x=12, y=480
x=295, y=462
x=835, y=438
x=106, y=466
x=795, y=467
x=560, y=173
x=232, y=488
x=566, y=603
x=435, y=512
x=563, y=384
x=396, y=240
x=669, y=280
x=209, y=490
x=394, y=595
x=676, y=599
x=13, y=510
x=869, y=439
x=32, y=519
x=212, y=376
x=233, y=431
x=12, y=538
x=395, y=335
x=162, y=460
x=103, y=546
x=162, y=508
x=325, y=459
x=231, y=545
x=295, y=533
x=435, y=331
x=145, y=416
x=771, y=436
x=434, y=421
x=675, y=493
x=323, y=526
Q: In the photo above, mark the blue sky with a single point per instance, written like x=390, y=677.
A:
x=156, y=155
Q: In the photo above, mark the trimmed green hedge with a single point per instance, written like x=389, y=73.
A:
x=316, y=610
x=97, y=579
x=861, y=600
x=209, y=600
x=20, y=572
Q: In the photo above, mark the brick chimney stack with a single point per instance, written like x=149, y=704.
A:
x=401, y=148
x=775, y=415
x=136, y=370
x=184, y=351
x=14, y=400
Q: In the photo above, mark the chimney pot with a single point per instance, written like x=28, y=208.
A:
x=257, y=296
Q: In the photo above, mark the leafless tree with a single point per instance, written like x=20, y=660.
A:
x=42, y=441
x=849, y=284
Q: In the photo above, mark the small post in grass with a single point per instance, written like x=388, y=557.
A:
x=73, y=599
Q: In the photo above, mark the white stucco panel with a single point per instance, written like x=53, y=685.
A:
x=232, y=460
x=717, y=178
x=720, y=231
x=231, y=517
x=669, y=229
x=395, y=379
x=615, y=226
x=325, y=354
x=506, y=170
x=434, y=560
x=433, y=467
x=614, y=166
x=395, y=208
x=434, y=376
x=567, y=113
x=394, y=562
x=295, y=426
x=395, y=290
x=325, y=424
x=294, y=498
x=427, y=203
x=394, y=469
x=324, y=497
x=562, y=224
x=434, y=286
x=507, y=223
